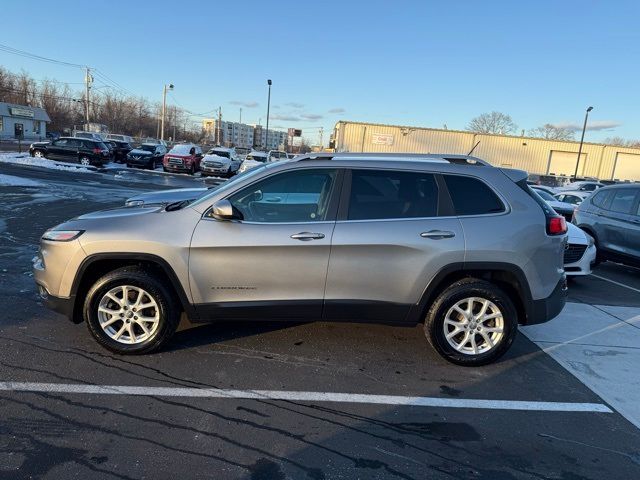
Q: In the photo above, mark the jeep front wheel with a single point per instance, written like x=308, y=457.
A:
x=471, y=323
x=129, y=311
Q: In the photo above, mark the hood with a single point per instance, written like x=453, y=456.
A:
x=139, y=152
x=119, y=212
x=165, y=196
x=215, y=158
x=576, y=235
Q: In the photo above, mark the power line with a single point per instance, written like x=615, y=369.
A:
x=22, y=53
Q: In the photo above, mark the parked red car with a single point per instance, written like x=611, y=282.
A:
x=184, y=157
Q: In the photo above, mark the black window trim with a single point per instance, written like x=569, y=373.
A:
x=334, y=196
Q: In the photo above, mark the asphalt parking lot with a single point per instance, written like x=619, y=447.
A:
x=296, y=401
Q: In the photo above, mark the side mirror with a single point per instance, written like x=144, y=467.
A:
x=223, y=210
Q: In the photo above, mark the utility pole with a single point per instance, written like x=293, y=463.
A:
x=88, y=80
x=219, y=129
x=266, y=137
x=164, y=107
x=321, y=134
x=174, y=123
x=240, y=115
x=584, y=127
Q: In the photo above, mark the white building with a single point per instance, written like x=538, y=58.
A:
x=21, y=121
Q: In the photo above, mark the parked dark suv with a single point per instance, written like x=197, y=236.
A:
x=72, y=149
x=612, y=217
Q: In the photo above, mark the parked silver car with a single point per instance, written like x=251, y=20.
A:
x=612, y=217
x=444, y=240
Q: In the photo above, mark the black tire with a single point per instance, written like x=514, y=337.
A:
x=470, y=287
x=164, y=169
x=84, y=160
x=168, y=307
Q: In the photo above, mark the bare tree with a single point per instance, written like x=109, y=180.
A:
x=494, y=122
x=621, y=142
x=552, y=132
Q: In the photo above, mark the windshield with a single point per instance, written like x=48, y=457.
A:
x=547, y=196
x=182, y=149
x=229, y=183
x=219, y=153
x=148, y=148
x=257, y=158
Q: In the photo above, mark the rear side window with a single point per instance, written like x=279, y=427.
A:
x=600, y=198
x=386, y=194
x=470, y=196
x=622, y=200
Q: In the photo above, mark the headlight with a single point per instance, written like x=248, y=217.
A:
x=61, y=235
x=133, y=203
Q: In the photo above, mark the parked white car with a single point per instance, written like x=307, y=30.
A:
x=220, y=162
x=580, y=252
x=581, y=186
x=573, y=197
x=254, y=159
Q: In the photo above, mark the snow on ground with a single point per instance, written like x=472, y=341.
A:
x=26, y=159
x=11, y=181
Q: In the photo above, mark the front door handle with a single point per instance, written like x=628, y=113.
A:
x=437, y=234
x=306, y=236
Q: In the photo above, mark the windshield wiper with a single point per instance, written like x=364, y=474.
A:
x=177, y=205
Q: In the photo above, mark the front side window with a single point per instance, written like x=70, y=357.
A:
x=300, y=196
x=471, y=196
x=622, y=200
x=385, y=194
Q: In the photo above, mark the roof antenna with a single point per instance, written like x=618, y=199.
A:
x=474, y=147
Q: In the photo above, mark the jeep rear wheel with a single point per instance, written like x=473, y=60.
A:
x=130, y=311
x=473, y=322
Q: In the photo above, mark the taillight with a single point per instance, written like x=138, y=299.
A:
x=97, y=150
x=556, y=226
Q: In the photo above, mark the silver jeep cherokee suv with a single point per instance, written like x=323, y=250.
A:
x=444, y=240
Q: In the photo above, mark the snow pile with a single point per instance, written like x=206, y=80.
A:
x=25, y=159
x=11, y=181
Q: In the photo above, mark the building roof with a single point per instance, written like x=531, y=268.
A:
x=38, y=113
x=470, y=132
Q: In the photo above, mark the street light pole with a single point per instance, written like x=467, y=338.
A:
x=164, y=108
x=584, y=128
x=266, y=136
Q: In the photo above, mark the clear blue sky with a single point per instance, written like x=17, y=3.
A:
x=417, y=63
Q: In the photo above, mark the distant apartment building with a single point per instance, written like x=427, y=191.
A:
x=235, y=134
x=275, y=141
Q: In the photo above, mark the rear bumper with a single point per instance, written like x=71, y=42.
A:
x=545, y=309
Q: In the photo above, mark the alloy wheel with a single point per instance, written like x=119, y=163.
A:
x=128, y=314
x=474, y=326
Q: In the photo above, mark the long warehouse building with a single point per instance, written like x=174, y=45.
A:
x=535, y=155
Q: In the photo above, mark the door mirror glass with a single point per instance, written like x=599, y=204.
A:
x=223, y=210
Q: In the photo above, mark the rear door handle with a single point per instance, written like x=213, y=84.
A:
x=437, y=234
x=306, y=236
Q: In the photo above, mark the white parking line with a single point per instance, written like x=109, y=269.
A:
x=617, y=283
x=303, y=397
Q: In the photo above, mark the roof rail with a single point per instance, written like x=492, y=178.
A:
x=426, y=157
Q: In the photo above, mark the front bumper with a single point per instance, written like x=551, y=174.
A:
x=64, y=306
x=177, y=168
x=582, y=266
x=545, y=309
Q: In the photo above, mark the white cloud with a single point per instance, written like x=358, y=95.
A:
x=244, y=104
x=596, y=125
x=337, y=110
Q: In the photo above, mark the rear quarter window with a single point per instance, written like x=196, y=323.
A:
x=471, y=196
